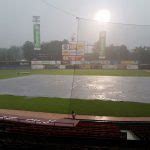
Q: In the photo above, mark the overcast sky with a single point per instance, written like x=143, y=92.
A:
x=16, y=25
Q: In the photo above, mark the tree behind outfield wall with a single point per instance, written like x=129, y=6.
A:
x=28, y=49
x=53, y=49
x=118, y=53
x=3, y=54
x=142, y=54
x=14, y=53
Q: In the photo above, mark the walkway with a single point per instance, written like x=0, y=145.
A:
x=47, y=116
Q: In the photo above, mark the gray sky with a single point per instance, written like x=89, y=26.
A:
x=16, y=20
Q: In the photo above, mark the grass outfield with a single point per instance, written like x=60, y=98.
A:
x=4, y=74
x=82, y=107
x=15, y=73
x=94, y=72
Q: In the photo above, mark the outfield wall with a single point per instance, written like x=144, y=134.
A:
x=105, y=64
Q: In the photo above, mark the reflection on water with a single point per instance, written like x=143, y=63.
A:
x=84, y=87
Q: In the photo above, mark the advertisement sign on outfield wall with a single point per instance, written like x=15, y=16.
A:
x=73, y=51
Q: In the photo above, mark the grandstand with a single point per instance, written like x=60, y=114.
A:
x=69, y=134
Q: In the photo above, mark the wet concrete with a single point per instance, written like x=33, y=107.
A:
x=135, y=89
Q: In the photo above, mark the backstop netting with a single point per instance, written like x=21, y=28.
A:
x=110, y=49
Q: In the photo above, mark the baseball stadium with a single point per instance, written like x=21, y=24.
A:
x=75, y=82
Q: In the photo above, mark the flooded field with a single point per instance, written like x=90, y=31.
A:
x=84, y=87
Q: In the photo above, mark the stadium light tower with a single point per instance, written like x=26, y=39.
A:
x=102, y=17
x=36, y=19
x=36, y=32
x=102, y=42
